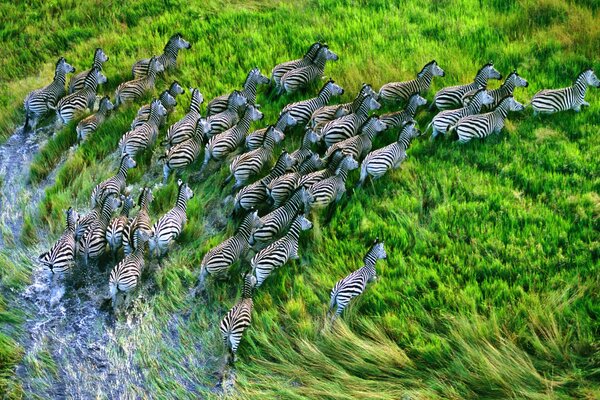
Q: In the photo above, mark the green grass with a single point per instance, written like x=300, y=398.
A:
x=490, y=287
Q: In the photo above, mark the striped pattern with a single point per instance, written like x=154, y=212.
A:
x=61, y=255
x=113, y=185
x=482, y=125
x=93, y=242
x=255, y=139
x=140, y=223
x=451, y=97
x=168, y=58
x=401, y=91
x=77, y=102
x=445, y=119
x=88, y=125
x=378, y=162
x=222, y=121
x=281, y=187
x=513, y=80
x=125, y=276
x=328, y=113
x=347, y=126
x=238, y=318
x=133, y=90
x=167, y=99
x=355, y=284
x=331, y=189
x=38, y=102
x=307, y=180
x=86, y=221
x=571, y=98
x=143, y=136
x=358, y=146
x=305, y=152
x=300, y=78
x=277, y=222
x=279, y=252
x=170, y=225
x=254, y=78
x=184, y=129
x=183, y=154
x=399, y=118
x=77, y=81
x=116, y=227
x=283, y=68
x=303, y=110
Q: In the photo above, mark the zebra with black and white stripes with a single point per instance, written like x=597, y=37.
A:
x=133, y=90
x=61, y=256
x=512, y=81
x=302, y=110
x=571, y=98
x=307, y=180
x=170, y=225
x=93, y=242
x=185, y=128
x=255, y=194
x=255, y=139
x=279, y=252
x=143, y=136
x=115, y=184
x=299, y=78
x=38, y=102
x=140, y=223
x=185, y=153
x=223, y=144
x=85, y=221
x=482, y=125
x=358, y=146
x=237, y=319
x=116, y=227
x=218, y=260
x=378, y=162
x=89, y=124
x=168, y=59
x=168, y=100
x=281, y=187
x=401, y=91
x=246, y=165
x=281, y=69
x=356, y=282
x=451, y=96
x=348, y=126
x=236, y=103
x=77, y=80
x=125, y=276
x=445, y=119
x=328, y=113
x=77, y=102
x=254, y=78
x=398, y=118
x=329, y=190
x=305, y=151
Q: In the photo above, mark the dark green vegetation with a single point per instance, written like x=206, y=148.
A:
x=491, y=284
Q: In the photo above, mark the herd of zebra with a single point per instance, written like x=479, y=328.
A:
x=274, y=208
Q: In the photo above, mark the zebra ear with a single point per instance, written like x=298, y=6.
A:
x=179, y=182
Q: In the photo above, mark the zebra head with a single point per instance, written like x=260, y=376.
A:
x=433, y=68
x=313, y=136
x=514, y=105
x=373, y=104
x=348, y=164
x=253, y=221
x=179, y=41
x=335, y=89
x=312, y=51
x=167, y=99
x=128, y=161
x=590, y=78
x=305, y=223
x=327, y=54
x=286, y=160
x=237, y=99
x=288, y=119
x=196, y=95
x=277, y=135
x=376, y=252
x=62, y=66
x=367, y=90
x=100, y=77
x=517, y=80
x=409, y=131
x=100, y=56
x=249, y=285
x=128, y=202
x=157, y=108
x=72, y=219
x=255, y=76
x=175, y=89
x=416, y=101
x=202, y=127
x=106, y=104
x=185, y=189
x=489, y=72
x=374, y=124
x=484, y=97
x=254, y=112
x=146, y=197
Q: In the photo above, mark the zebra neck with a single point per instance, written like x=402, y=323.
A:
x=369, y=270
x=294, y=232
x=163, y=98
x=343, y=173
x=411, y=109
x=480, y=80
x=475, y=105
x=122, y=171
x=505, y=90
x=424, y=81
x=194, y=106
x=154, y=117
x=169, y=56
x=319, y=62
x=502, y=110
x=369, y=134
x=181, y=201
x=323, y=97
x=245, y=230
x=60, y=78
x=277, y=170
x=269, y=142
x=97, y=64
x=91, y=84
x=249, y=90
x=580, y=88
x=404, y=142
x=244, y=124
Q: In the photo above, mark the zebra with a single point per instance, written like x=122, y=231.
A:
x=220, y=258
x=255, y=194
x=236, y=102
x=451, y=96
x=444, y=119
x=89, y=124
x=378, y=162
x=93, y=242
x=140, y=223
x=185, y=153
x=302, y=110
x=328, y=113
x=223, y=144
x=307, y=180
x=298, y=78
x=482, y=125
x=399, y=118
x=170, y=225
x=38, y=102
x=248, y=164
x=347, y=126
x=124, y=276
x=77, y=102
x=85, y=221
x=283, y=68
x=512, y=81
x=356, y=282
x=281, y=187
x=115, y=184
x=331, y=189
x=358, y=146
x=77, y=81
x=401, y=91
x=61, y=256
x=133, y=90
x=279, y=252
x=254, y=140
x=116, y=227
x=254, y=78
x=238, y=318
x=278, y=221
x=168, y=58
x=184, y=129
x=571, y=98
x=168, y=100
x=304, y=152
x=144, y=136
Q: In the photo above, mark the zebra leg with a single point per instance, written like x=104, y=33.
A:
x=227, y=180
x=585, y=104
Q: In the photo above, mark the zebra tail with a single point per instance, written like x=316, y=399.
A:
x=451, y=132
x=26, y=124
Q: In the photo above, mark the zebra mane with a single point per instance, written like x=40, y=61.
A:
x=171, y=40
x=430, y=63
x=489, y=64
